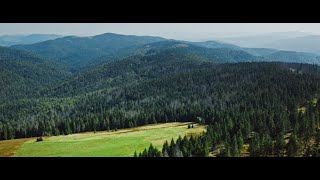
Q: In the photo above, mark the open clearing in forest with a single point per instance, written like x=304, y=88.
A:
x=121, y=143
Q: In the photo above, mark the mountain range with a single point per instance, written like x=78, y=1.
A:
x=78, y=65
x=288, y=41
x=79, y=52
x=110, y=81
x=9, y=40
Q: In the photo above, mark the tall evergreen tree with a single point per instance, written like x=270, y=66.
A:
x=292, y=146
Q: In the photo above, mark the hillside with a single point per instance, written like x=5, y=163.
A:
x=157, y=60
x=291, y=56
x=161, y=59
x=75, y=51
x=177, y=96
x=22, y=73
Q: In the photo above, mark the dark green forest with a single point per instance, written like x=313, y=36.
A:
x=242, y=98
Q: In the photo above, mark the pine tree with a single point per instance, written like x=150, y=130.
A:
x=206, y=149
x=157, y=153
x=177, y=152
x=165, y=118
x=165, y=153
x=240, y=141
x=179, y=142
x=135, y=154
x=165, y=147
x=318, y=138
x=144, y=153
x=226, y=151
x=151, y=151
x=171, y=148
x=292, y=147
x=234, y=149
x=280, y=144
x=154, y=120
x=254, y=146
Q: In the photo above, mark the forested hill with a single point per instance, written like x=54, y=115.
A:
x=76, y=51
x=201, y=90
x=22, y=73
x=79, y=53
x=155, y=61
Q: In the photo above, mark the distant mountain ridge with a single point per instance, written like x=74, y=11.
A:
x=10, y=40
x=260, y=40
x=309, y=44
x=286, y=41
x=84, y=52
x=75, y=51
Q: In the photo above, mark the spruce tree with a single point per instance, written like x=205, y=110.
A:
x=292, y=147
x=279, y=144
x=135, y=154
x=225, y=151
x=234, y=148
x=165, y=153
x=177, y=152
x=171, y=148
x=165, y=148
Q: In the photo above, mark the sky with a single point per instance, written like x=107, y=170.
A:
x=181, y=31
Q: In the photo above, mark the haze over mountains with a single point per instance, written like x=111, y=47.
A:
x=78, y=52
x=9, y=40
x=289, y=41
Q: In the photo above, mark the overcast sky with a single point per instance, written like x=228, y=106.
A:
x=186, y=31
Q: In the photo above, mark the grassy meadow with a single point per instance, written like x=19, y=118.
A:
x=121, y=143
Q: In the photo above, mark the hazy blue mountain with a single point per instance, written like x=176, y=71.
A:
x=9, y=40
x=285, y=41
x=235, y=54
x=301, y=44
x=76, y=51
x=263, y=40
x=259, y=51
x=215, y=44
x=253, y=51
x=80, y=53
